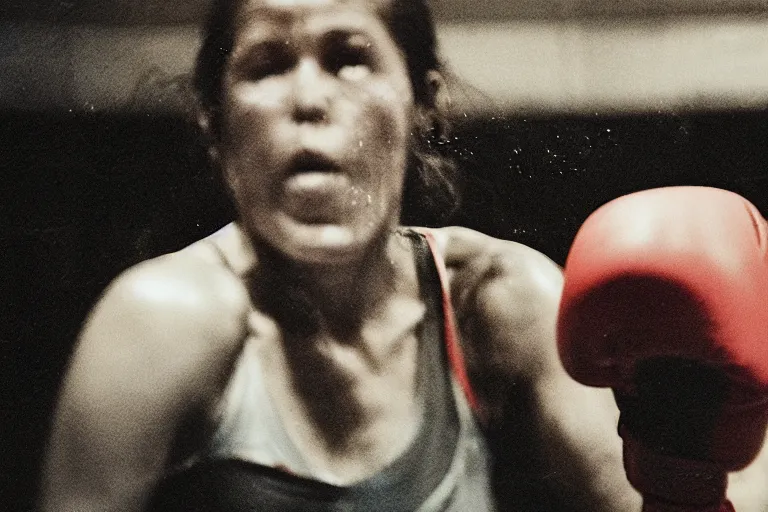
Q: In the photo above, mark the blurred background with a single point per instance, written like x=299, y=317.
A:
x=560, y=106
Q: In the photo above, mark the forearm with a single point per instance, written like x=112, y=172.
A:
x=581, y=448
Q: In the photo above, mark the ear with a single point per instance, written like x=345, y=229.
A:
x=204, y=124
x=434, y=117
x=213, y=144
x=438, y=90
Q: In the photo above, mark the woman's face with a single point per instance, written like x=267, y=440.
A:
x=317, y=116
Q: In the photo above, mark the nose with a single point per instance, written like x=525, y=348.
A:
x=312, y=93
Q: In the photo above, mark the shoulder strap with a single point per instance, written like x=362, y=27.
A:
x=232, y=249
x=455, y=355
x=219, y=252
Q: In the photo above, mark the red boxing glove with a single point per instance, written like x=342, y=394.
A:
x=666, y=302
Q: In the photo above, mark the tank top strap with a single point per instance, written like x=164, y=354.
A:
x=219, y=252
x=452, y=343
x=230, y=246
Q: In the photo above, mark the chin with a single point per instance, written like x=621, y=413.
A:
x=320, y=243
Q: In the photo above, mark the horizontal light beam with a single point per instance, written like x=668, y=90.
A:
x=515, y=67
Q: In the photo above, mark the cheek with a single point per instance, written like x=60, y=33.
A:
x=249, y=138
x=244, y=129
x=386, y=121
x=386, y=156
x=393, y=102
x=252, y=113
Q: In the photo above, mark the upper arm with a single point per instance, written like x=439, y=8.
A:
x=521, y=306
x=154, y=347
x=577, y=424
x=510, y=322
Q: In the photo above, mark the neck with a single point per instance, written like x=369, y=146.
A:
x=344, y=328
x=344, y=294
x=336, y=298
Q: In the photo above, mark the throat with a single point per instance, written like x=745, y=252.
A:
x=346, y=375
x=352, y=408
x=336, y=298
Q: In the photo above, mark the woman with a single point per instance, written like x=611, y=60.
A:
x=306, y=356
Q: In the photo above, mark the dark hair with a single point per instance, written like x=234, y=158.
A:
x=430, y=192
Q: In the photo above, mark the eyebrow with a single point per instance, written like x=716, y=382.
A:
x=277, y=25
x=277, y=15
x=259, y=25
x=262, y=12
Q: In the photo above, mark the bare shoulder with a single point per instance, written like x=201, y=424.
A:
x=189, y=290
x=460, y=245
x=156, y=350
x=506, y=295
x=515, y=271
x=181, y=314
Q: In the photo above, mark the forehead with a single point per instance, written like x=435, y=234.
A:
x=289, y=12
x=318, y=3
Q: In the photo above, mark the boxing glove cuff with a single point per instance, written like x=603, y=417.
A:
x=673, y=480
x=652, y=505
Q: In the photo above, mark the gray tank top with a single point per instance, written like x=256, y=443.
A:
x=251, y=464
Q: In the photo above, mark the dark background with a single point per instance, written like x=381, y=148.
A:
x=86, y=195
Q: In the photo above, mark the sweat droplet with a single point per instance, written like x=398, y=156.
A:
x=360, y=143
x=368, y=199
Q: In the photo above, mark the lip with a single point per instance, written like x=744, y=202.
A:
x=307, y=160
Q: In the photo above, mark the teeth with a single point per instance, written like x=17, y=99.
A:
x=316, y=181
x=309, y=180
x=334, y=235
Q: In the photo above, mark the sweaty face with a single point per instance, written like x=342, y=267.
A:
x=317, y=111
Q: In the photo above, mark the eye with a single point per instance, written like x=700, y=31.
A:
x=265, y=60
x=349, y=58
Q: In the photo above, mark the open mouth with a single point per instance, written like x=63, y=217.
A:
x=311, y=161
x=315, y=190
